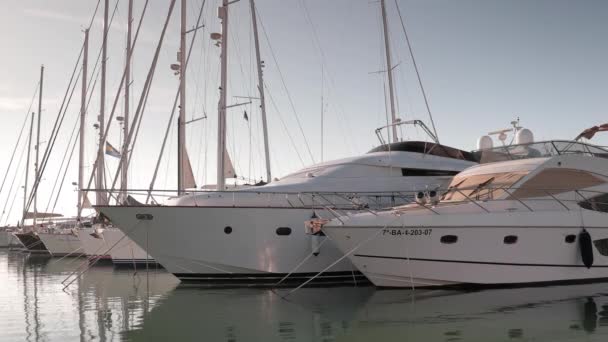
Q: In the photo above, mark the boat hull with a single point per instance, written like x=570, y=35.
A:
x=32, y=242
x=8, y=240
x=112, y=244
x=61, y=244
x=531, y=253
x=234, y=246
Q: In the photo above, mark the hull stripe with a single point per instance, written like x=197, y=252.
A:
x=477, y=262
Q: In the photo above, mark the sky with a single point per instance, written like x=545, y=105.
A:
x=483, y=63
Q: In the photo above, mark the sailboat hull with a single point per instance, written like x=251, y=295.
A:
x=62, y=244
x=32, y=242
x=112, y=244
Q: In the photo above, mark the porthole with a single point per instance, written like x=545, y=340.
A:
x=228, y=230
x=449, y=239
x=570, y=238
x=510, y=239
x=283, y=231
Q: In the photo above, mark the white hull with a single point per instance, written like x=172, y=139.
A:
x=192, y=243
x=61, y=244
x=412, y=255
x=115, y=245
x=7, y=239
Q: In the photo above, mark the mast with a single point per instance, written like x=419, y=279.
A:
x=125, y=165
x=260, y=65
x=37, y=165
x=181, y=121
x=389, y=70
x=100, y=195
x=27, y=170
x=221, y=145
x=83, y=106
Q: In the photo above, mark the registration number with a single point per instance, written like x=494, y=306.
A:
x=407, y=232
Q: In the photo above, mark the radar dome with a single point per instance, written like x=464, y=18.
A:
x=524, y=136
x=484, y=143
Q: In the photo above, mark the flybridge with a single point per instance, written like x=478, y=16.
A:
x=542, y=149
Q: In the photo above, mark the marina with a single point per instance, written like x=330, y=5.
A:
x=304, y=170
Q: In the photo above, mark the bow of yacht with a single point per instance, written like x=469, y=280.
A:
x=532, y=214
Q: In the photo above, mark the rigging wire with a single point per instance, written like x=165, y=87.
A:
x=162, y=149
x=291, y=103
x=145, y=7
x=10, y=190
x=284, y=125
x=409, y=45
x=74, y=130
x=27, y=114
x=345, y=124
x=60, y=117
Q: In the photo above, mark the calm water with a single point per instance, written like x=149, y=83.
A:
x=110, y=305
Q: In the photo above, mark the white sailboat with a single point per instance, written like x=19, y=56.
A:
x=255, y=235
x=533, y=213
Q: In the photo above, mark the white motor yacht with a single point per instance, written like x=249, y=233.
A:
x=534, y=213
x=256, y=235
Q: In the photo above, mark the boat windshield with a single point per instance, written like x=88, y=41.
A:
x=425, y=147
x=481, y=187
x=538, y=150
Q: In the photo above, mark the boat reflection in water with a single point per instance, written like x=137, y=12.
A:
x=114, y=305
x=564, y=313
x=194, y=314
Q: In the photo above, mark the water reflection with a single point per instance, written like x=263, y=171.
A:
x=110, y=305
x=546, y=314
x=189, y=314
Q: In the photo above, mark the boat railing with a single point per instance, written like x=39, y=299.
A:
x=530, y=199
x=540, y=149
x=342, y=203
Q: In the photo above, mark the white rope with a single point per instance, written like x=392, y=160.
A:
x=300, y=264
x=343, y=257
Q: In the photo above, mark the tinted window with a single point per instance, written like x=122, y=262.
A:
x=423, y=172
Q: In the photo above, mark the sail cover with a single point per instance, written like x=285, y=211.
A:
x=189, y=182
x=228, y=167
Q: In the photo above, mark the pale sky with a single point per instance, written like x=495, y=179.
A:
x=483, y=64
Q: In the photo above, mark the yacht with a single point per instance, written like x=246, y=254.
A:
x=256, y=235
x=109, y=243
x=531, y=213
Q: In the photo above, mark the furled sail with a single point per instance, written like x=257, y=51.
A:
x=189, y=182
x=228, y=167
x=86, y=203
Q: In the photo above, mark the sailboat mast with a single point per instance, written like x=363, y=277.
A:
x=99, y=180
x=261, y=90
x=181, y=121
x=125, y=123
x=389, y=70
x=83, y=113
x=221, y=145
x=27, y=170
x=37, y=165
